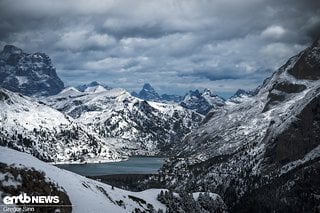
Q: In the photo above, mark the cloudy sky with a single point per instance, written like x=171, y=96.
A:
x=175, y=45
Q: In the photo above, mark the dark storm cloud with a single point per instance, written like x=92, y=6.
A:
x=188, y=44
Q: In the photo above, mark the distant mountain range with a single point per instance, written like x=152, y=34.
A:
x=34, y=75
x=144, y=128
x=201, y=102
x=113, y=120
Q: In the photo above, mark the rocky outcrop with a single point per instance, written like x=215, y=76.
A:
x=29, y=74
x=299, y=138
x=308, y=67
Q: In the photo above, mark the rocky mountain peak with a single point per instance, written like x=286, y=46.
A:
x=11, y=55
x=208, y=91
x=12, y=49
x=148, y=87
x=202, y=102
x=293, y=77
x=308, y=64
x=148, y=93
x=29, y=74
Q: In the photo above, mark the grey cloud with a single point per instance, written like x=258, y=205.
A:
x=186, y=44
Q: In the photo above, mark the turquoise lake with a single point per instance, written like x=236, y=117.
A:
x=134, y=165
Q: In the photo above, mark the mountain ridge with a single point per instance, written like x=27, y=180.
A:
x=31, y=126
x=200, y=102
x=147, y=127
x=266, y=143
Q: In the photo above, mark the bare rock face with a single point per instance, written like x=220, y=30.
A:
x=29, y=74
x=308, y=67
x=299, y=138
x=280, y=91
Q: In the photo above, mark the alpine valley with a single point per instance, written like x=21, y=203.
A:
x=258, y=151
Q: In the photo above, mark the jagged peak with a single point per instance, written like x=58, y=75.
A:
x=308, y=64
x=197, y=93
x=12, y=49
x=29, y=74
x=206, y=90
x=148, y=87
x=11, y=54
x=209, y=92
x=148, y=93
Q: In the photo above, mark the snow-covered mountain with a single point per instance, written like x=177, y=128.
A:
x=29, y=74
x=143, y=127
x=263, y=154
x=96, y=123
x=202, y=102
x=33, y=127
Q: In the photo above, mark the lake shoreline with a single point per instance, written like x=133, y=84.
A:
x=100, y=161
x=134, y=165
x=87, y=162
x=127, y=181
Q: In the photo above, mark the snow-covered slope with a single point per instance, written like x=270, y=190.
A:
x=266, y=143
x=85, y=195
x=141, y=127
x=33, y=127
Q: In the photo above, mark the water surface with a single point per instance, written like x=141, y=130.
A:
x=134, y=165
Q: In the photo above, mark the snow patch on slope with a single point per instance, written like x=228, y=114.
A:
x=86, y=195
